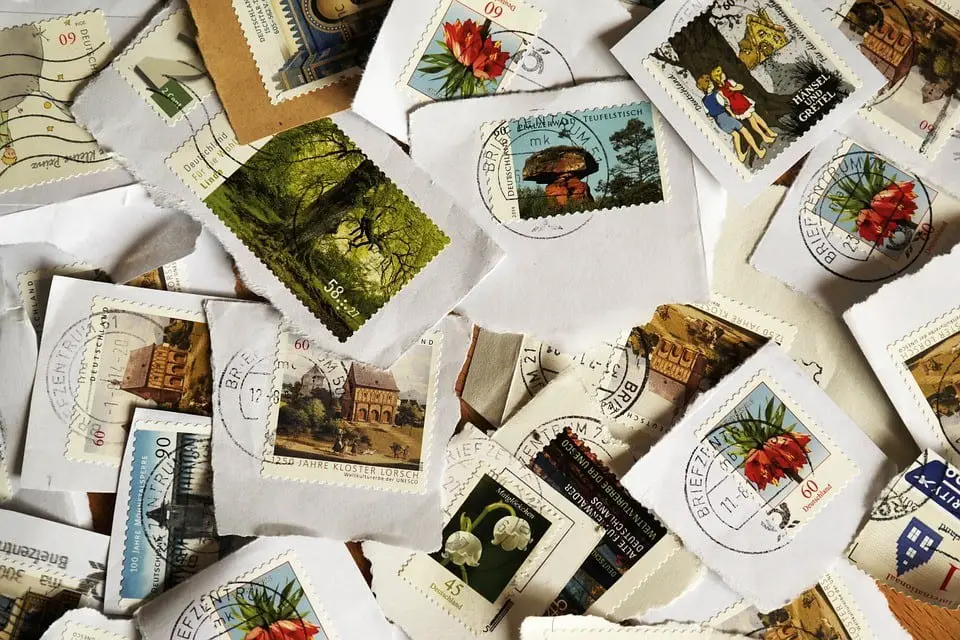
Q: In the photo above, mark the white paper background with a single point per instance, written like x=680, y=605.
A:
x=586, y=286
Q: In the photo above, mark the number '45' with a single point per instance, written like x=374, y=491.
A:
x=453, y=586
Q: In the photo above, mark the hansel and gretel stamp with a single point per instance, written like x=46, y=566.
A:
x=929, y=362
x=865, y=219
x=753, y=77
x=338, y=233
x=761, y=470
x=348, y=423
x=575, y=161
x=122, y=355
x=912, y=540
x=912, y=43
x=300, y=46
x=42, y=65
x=275, y=599
x=165, y=67
x=169, y=529
x=446, y=63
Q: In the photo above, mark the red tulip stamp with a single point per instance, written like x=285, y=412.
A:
x=865, y=219
x=761, y=470
x=469, y=48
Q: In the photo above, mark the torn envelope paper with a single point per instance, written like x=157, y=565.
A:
x=789, y=475
x=534, y=45
x=296, y=425
x=577, y=219
x=330, y=221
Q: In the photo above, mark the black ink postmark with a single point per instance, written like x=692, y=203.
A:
x=863, y=219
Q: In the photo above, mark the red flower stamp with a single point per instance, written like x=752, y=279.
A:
x=761, y=469
x=468, y=48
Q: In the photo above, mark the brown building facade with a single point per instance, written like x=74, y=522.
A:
x=370, y=395
x=890, y=48
x=156, y=372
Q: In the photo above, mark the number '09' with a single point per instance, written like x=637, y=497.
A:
x=493, y=9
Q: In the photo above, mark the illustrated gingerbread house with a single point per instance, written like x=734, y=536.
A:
x=762, y=38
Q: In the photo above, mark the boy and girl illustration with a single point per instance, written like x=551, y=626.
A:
x=726, y=104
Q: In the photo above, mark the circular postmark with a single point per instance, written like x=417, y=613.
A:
x=246, y=389
x=730, y=507
x=238, y=607
x=86, y=372
x=245, y=397
x=687, y=12
x=502, y=168
x=537, y=64
x=591, y=430
x=537, y=368
x=859, y=240
x=898, y=498
x=624, y=378
x=176, y=503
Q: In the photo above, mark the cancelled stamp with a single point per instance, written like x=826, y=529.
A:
x=344, y=422
x=469, y=48
x=762, y=468
x=545, y=165
x=911, y=42
x=44, y=64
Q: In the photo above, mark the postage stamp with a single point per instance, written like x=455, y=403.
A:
x=349, y=423
x=469, y=47
x=684, y=350
x=929, y=361
x=126, y=354
x=546, y=165
x=865, y=219
x=168, y=526
x=32, y=598
x=76, y=631
x=498, y=532
x=44, y=63
x=761, y=470
x=753, y=76
x=630, y=530
x=912, y=540
x=34, y=286
x=274, y=598
x=313, y=208
x=912, y=43
x=828, y=610
x=166, y=68
x=303, y=46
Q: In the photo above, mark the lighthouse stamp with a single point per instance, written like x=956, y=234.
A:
x=911, y=540
x=344, y=422
x=164, y=531
x=546, y=165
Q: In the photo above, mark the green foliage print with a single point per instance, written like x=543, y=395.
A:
x=328, y=223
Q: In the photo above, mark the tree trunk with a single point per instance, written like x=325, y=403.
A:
x=700, y=48
x=324, y=215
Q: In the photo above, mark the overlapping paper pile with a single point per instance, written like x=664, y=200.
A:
x=572, y=320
